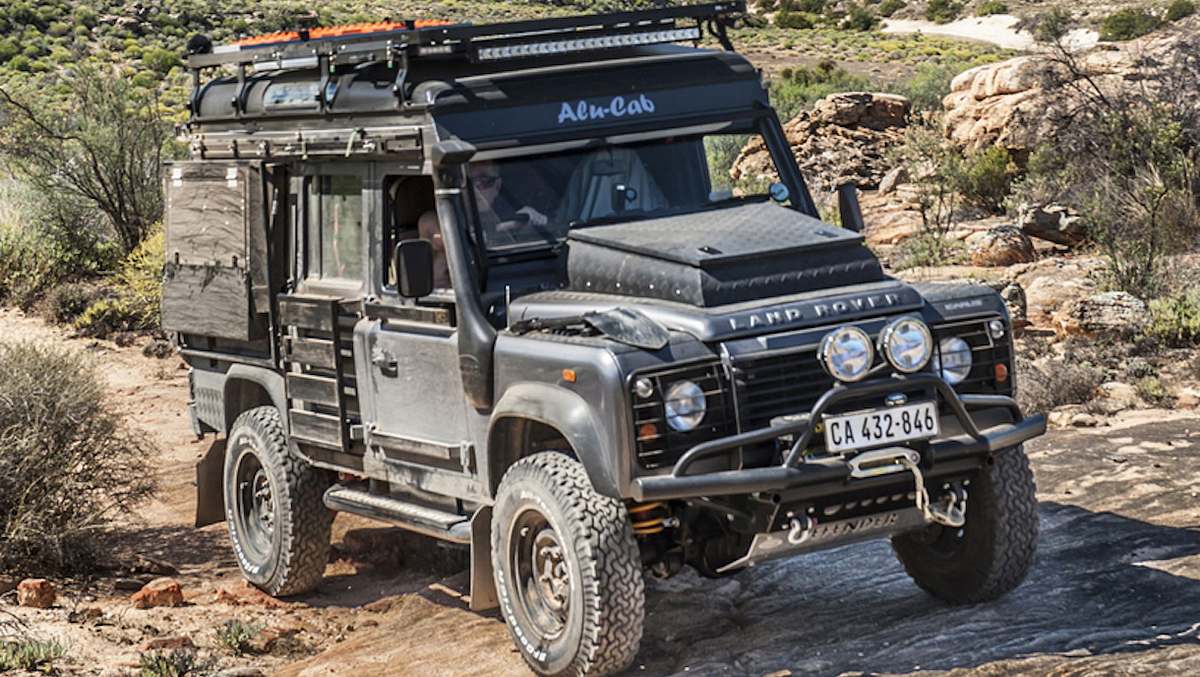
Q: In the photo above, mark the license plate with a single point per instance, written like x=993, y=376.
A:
x=881, y=426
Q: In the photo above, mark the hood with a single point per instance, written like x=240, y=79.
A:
x=738, y=254
x=776, y=314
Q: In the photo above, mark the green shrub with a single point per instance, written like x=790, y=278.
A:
x=176, y=663
x=236, y=635
x=930, y=83
x=985, y=179
x=30, y=655
x=929, y=249
x=66, y=302
x=137, y=294
x=1175, y=319
x=991, y=7
x=890, y=7
x=794, y=20
x=161, y=60
x=859, y=18
x=1180, y=9
x=942, y=11
x=1127, y=24
x=68, y=464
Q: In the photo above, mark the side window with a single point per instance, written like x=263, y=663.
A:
x=335, y=227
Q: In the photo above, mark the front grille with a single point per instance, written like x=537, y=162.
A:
x=665, y=445
x=789, y=383
x=783, y=383
x=778, y=385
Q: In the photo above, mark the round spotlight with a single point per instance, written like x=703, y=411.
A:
x=847, y=354
x=996, y=329
x=644, y=388
x=907, y=344
x=685, y=405
x=953, y=360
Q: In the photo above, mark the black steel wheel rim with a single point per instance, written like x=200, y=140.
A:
x=255, y=510
x=541, y=574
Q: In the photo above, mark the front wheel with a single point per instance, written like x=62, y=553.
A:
x=567, y=569
x=993, y=551
x=277, y=520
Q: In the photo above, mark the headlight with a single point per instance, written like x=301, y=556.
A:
x=907, y=344
x=953, y=361
x=685, y=406
x=847, y=354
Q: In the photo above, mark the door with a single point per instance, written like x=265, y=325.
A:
x=411, y=390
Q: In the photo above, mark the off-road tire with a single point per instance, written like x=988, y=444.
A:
x=607, y=593
x=996, y=547
x=294, y=562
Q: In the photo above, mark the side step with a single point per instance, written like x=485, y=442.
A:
x=447, y=526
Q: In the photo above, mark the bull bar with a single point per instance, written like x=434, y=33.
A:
x=795, y=472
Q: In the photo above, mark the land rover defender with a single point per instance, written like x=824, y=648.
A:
x=496, y=284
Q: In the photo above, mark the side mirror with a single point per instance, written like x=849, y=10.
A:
x=451, y=152
x=848, y=207
x=414, y=268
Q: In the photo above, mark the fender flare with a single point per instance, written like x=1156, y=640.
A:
x=270, y=381
x=572, y=416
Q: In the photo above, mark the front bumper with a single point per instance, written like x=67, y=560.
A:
x=826, y=475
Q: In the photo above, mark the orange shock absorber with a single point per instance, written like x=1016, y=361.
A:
x=648, y=518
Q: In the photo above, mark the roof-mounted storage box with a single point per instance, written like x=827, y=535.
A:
x=215, y=279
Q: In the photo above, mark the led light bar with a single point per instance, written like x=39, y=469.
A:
x=587, y=44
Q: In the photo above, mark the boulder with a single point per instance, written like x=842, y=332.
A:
x=159, y=592
x=844, y=138
x=1007, y=104
x=869, y=110
x=1053, y=223
x=1113, y=312
x=1115, y=397
x=893, y=178
x=1052, y=286
x=1002, y=246
x=36, y=593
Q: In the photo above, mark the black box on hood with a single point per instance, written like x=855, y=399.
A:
x=713, y=258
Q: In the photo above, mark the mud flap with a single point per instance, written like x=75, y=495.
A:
x=483, y=583
x=210, y=490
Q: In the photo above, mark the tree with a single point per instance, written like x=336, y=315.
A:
x=100, y=140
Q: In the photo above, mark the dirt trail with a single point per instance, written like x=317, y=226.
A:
x=1116, y=587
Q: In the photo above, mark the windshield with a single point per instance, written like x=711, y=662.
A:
x=539, y=199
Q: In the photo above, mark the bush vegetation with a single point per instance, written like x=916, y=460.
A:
x=236, y=635
x=1127, y=159
x=29, y=655
x=68, y=464
x=1175, y=319
x=1128, y=23
x=984, y=179
x=1180, y=9
x=991, y=7
x=133, y=303
x=942, y=11
x=890, y=7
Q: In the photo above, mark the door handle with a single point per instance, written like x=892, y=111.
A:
x=388, y=366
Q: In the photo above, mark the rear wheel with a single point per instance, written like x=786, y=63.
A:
x=277, y=519
x=992, y=552
x=567, y=569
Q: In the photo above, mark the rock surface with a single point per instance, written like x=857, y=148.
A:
x=845, y=138
x=36, y=593
x=1053, y=223
x=1002, y=246
x=1114, y=313
x=159, y=592
x=1006, y=103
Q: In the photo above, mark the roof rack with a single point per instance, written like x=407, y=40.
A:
x=392, y=42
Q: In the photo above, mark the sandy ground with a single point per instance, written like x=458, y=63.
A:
x=1116, y=587
x=997, y=29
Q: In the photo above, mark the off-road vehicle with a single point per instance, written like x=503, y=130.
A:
x=497, y=285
